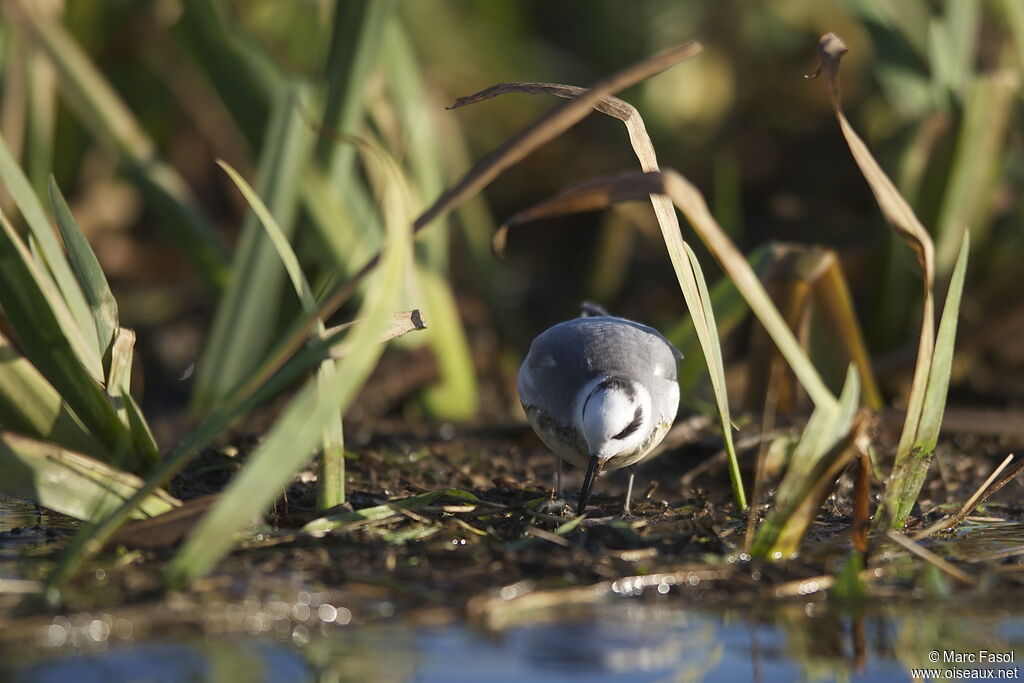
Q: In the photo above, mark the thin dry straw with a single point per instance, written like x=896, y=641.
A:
x=984, y=492
x=931, y=558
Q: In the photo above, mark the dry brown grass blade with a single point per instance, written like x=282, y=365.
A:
x=789, y=278
x=166, y=530
x=402, y=322
x=930, y=557
x=833, y=299
x=612, y=106
x=861, y=504
x=902, y=219
x=831, y=49
x=984, y=492
x=602, y=192
x=527, y=140
x=589, y=195
x=550, y=125
x=801, y=278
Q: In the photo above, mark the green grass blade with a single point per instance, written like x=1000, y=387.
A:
x=952, y=46
x=35, y=312
x=277, y=236
x=455, y=398
x=291, y=441
x=345, y=221
x=69, y=482
x=143, y=438
x=41, y=119
x=87, y=269
x=247, y=317
x=730, y=310
x=331, y=474
x=101, y=110
x=356, y=41
x=418, y=113
x=53, y=255
x=717, y=369
x=1013, y=13
x=820, y=455
x=980, y=146
x=332, y=461
x=119, y=389
x=90, y=539
x=908, y=19
x=31, y=406
x=244, y=76
x=908, y=477
x=122, y=353
x=333, y=343
x=335, y=521
x=691, y=203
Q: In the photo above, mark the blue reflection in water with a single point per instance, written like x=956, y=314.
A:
x=623, y=641
x=156, y=662
x=683, y=645
x=170, y=662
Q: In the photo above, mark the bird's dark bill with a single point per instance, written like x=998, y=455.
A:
x=593, y=469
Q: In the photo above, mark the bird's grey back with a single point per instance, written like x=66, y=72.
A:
x=564, y=358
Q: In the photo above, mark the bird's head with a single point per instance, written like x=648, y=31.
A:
x=614, y=417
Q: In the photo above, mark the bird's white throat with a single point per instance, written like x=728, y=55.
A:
x=614, y=416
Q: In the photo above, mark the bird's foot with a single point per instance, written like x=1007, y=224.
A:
x=629, y=517
x=627, y=513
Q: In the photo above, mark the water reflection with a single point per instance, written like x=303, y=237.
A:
x=27, y=533
x=174, y=661
x=624, y=640
x=631, y=638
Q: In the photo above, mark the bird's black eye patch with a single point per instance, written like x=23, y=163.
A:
x=638, y=417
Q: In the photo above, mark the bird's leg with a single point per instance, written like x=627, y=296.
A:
x=629, y=490
x=556, y=504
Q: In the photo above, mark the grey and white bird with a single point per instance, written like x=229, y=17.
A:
x=601, y=392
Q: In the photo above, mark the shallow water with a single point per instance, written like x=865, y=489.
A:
x=26, y=534
x=657, y=637
x=623, y=641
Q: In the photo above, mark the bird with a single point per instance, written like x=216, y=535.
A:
x=601, y=392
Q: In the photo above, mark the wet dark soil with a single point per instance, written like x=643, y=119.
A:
x=495, y=539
